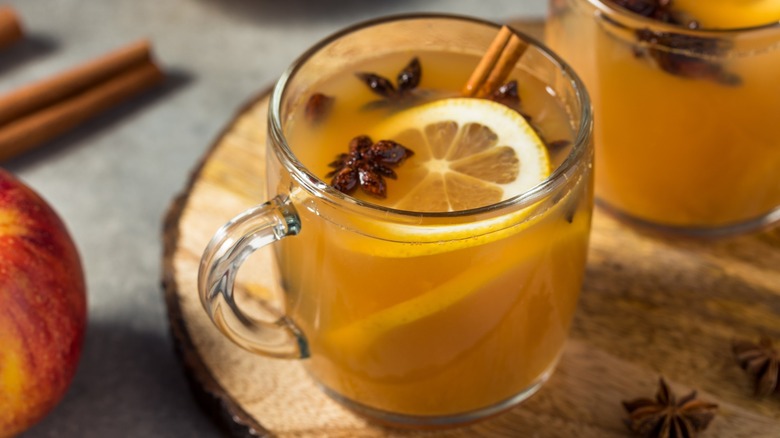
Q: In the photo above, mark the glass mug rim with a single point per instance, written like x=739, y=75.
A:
x=635, y=21
x=316, y=186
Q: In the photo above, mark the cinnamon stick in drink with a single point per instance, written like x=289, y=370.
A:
x=496, y=64
x=512, y=52
x=10, y=27
x=487, y=62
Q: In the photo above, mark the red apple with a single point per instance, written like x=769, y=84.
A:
x=42, y=307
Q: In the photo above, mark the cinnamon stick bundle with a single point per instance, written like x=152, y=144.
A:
x=38, y=112
x=10, y=27
x=496, y=64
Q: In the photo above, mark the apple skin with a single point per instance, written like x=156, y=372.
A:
x=43, y=307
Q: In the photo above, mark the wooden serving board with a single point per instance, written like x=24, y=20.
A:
x=650, y=307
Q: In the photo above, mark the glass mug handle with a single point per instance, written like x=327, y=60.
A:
x=231, y=245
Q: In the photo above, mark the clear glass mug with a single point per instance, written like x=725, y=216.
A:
x=413, y=319
x=686, y=134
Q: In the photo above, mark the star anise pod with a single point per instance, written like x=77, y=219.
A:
x=318, y=107
x=366, y=165
x=659, y=10
x=508, y=95
x=668, y=49
x=407, y=80
x=666, y=417
x=762, y=361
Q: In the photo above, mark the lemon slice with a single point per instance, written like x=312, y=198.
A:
x=725, y=14
x=469, y=153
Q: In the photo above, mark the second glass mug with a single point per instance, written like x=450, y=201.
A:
x=686, y=134
x=410, y=318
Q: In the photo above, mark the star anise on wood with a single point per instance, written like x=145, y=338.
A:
x=667, y=417
x=407, y=80
x=762, y=361
x=366, y=165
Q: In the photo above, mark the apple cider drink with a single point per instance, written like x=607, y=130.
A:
x=686, y=93
x=434, y=313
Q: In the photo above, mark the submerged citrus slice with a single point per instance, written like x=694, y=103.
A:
x=565, y=240
x=469, y=153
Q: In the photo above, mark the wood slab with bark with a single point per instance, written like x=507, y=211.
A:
x=650, y=307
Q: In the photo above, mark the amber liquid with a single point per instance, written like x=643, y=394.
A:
x=427, y=319
x=674, y=150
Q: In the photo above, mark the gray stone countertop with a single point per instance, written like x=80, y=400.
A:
x=112, y=179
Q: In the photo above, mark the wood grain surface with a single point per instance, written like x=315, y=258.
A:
x=650, y=306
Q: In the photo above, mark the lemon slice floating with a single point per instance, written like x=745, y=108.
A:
x=469, y=153
x=730, y=14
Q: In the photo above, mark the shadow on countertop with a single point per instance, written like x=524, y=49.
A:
x=28, y=48
x=266, y=10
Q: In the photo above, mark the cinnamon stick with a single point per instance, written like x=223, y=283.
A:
x=41, y=111
x=487, y=62
x=29, y=99
x=10, y=27
x=496, y=65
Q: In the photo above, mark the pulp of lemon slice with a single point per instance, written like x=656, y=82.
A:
x=469, y=153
